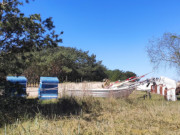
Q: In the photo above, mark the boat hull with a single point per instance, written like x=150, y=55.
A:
x=116, y=93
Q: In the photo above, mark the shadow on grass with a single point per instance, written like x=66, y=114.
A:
x=15, y=108
x=178, y=97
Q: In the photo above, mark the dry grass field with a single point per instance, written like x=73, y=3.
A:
x=99, y=116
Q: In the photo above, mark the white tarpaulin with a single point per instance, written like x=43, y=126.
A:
x=171, y=88
x=164, y=86
x=144, y=87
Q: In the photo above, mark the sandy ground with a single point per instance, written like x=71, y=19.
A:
x=33, y=91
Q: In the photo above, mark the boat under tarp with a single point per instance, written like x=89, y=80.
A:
x=121, y=92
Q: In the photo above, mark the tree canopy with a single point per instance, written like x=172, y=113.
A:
x=71, y=64
x=20, y=34
x=68, y=64
x=117, y=74
x=165, y=51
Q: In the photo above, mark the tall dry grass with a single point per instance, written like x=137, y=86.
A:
x=100, y=116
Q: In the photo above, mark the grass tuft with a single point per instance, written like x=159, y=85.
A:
x=89, y=115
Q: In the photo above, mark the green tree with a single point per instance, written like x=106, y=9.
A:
x=68, y=64
x=20, y=34
x=117, y=74
x=129, y=74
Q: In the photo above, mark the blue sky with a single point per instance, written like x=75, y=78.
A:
x=117, y=31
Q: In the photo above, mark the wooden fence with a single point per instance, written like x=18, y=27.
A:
x=33, y=84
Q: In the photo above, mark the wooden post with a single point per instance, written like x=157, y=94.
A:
x=161, y=87
x=152, y=89
x=155, y=90
x=165, y=93
x=66, y=78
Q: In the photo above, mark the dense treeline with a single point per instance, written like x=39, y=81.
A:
x=70, y=64
x=117, y=74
